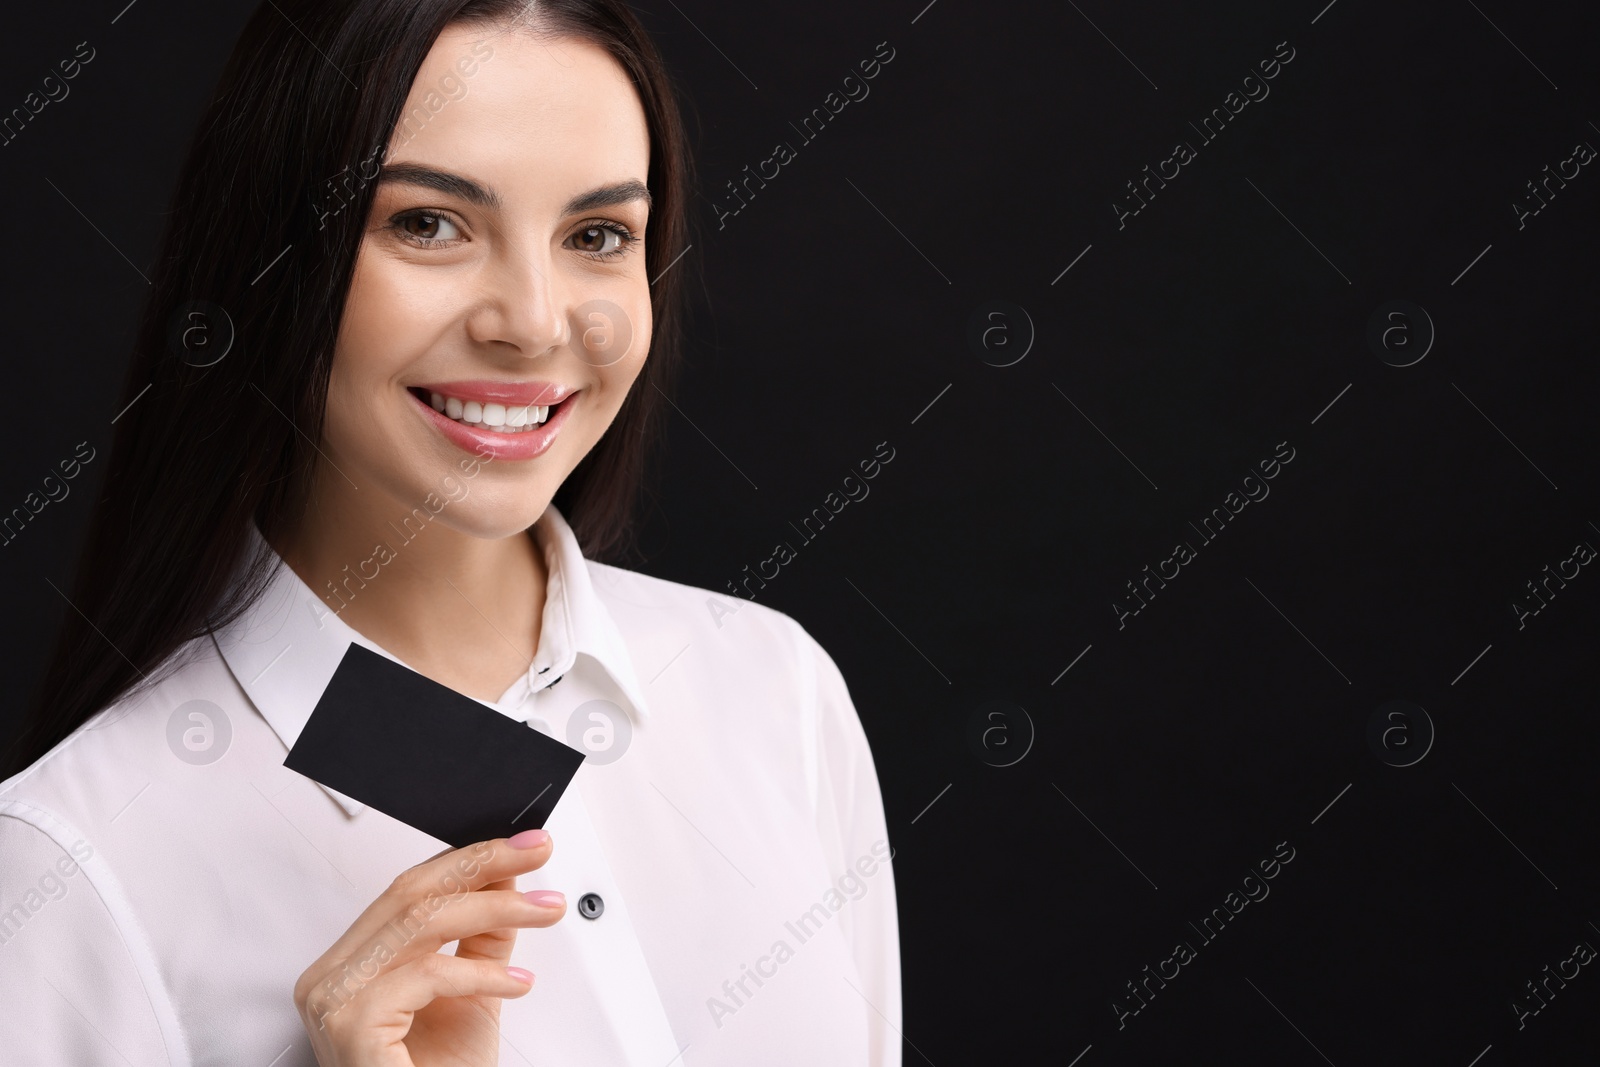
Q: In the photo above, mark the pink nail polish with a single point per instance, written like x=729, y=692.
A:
x=545, y=898
x=528, y=839
x=520, y=975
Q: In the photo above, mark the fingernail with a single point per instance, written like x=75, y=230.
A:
x=526, y=977
x=528, y=839
x=545, y=898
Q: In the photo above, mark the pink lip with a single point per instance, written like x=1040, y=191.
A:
x=485, y=391
x=488, y=444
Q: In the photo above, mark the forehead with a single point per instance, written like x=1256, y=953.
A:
x=535, y=119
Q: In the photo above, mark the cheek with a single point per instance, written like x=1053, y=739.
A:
x=376, y=315
x=618, y=378
x=384, y=328
x=612, y=329
x=349, y=419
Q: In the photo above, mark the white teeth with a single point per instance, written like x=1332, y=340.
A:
x=502, y=418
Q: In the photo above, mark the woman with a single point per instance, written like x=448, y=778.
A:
x=391, y=391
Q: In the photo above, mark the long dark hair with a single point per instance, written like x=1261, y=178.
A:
x=265, y=226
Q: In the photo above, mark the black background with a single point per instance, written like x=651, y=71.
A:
x=1170, y=753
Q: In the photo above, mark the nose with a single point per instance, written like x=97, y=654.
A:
x=522, y=304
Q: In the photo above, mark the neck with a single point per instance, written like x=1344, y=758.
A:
x=461, y=609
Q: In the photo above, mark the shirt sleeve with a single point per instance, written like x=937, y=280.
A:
x=71, y=989
x=850, y=821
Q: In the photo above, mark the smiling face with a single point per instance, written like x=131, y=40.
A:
x=501, y=280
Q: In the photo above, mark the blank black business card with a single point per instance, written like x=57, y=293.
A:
x=429, y=756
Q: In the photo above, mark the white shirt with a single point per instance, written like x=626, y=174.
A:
x=164, y=879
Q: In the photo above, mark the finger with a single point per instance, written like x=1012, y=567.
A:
x=496, y=945
x=392, y=996
x=431, y=925
x=451, y=873
x=418, y=983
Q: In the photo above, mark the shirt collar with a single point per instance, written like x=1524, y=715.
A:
x=284, y=649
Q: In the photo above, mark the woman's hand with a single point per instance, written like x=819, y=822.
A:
x=384, y=996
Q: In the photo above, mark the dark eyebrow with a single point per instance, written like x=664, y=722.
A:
x=608, y=196
x=473, y=193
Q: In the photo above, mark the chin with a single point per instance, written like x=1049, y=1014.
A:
x=492, y=523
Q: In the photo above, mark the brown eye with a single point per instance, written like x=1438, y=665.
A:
x=593, y=240
x=426, y=227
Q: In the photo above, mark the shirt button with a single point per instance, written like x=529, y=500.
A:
x=590, y=905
